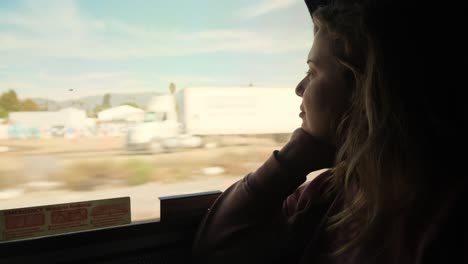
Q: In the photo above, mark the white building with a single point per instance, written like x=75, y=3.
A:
x=123, y=113
x=68, y=117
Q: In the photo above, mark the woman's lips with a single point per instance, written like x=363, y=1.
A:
x=301, y=114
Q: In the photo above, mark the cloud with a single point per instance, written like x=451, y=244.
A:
x=62, y=31
x=265, y=7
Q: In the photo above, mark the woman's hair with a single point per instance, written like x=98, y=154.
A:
x=393, y=139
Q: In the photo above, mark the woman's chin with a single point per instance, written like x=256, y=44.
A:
x=306, y=128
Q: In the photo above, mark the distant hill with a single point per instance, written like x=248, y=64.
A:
x=89, y=103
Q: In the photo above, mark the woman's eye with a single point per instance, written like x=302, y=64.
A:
x=310, y=73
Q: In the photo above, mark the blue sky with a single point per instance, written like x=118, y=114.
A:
x=94, y=47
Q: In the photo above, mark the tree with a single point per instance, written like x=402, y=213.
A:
x=99, y=108
x=29, y=106
x=91, y=114
x=172, y=88
x=132, y=104
x=106, y=101
x=9, y=101
x=3, y=113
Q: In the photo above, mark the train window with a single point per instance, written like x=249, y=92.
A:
x=143, y=99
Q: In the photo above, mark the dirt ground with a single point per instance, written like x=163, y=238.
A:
x=27, y=171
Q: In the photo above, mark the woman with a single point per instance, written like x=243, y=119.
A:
x=392, y=194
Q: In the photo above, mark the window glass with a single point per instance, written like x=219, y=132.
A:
x=155, y=117
x=103, y=99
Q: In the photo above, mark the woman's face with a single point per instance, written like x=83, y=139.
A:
x=324, y=91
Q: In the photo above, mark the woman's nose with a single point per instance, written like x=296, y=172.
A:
x=301, y=86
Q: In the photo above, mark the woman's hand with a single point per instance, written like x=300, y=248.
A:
x=304, y=153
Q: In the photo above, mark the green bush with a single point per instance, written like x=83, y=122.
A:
x=139, y=172
x=85, y=176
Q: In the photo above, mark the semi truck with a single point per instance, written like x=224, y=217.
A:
x=203, y=116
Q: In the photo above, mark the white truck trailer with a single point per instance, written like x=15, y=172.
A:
x=200, y=116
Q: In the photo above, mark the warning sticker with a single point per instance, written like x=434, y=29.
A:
x=63, y=218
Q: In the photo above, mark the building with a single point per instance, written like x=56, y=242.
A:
x=121, y=114
x=66, y=122
x=68, y=117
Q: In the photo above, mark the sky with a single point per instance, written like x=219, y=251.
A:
x=66, y=49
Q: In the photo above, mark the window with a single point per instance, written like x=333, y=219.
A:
x=85, y=86
x=155, y=117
